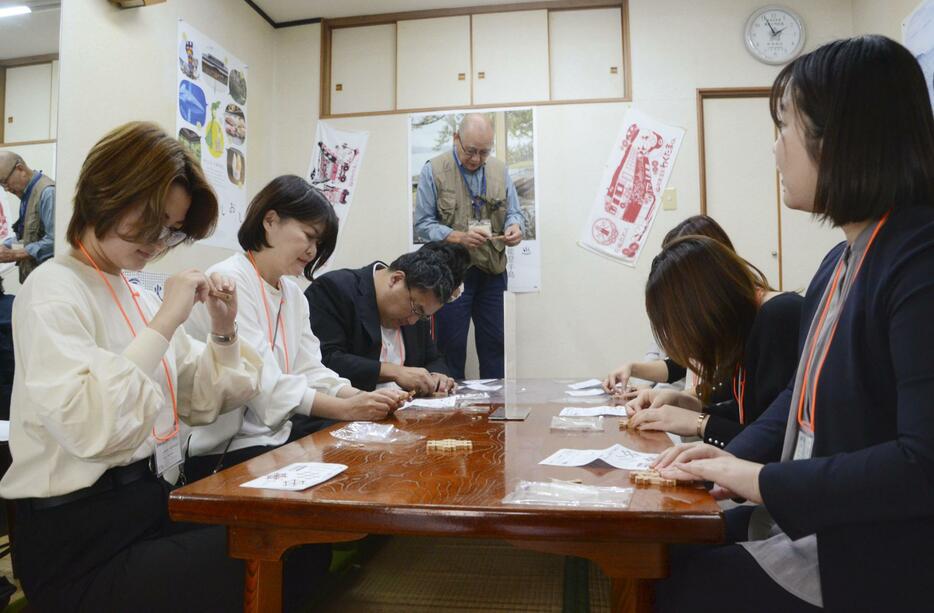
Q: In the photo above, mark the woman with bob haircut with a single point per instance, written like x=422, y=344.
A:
x=664, y=369
x=104, y=375
x=711, y=309
x=290, y=229
x=841, y=465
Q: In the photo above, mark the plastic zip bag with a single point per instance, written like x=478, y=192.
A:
x=577, y=424
x=369, y=432
x=564, y=494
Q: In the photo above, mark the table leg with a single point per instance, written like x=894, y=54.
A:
x=632, y=595
x=262, y=588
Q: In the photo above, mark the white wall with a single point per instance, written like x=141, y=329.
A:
x=119, y=65
x=589, y=315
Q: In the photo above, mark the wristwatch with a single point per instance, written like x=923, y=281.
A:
x=225, y=339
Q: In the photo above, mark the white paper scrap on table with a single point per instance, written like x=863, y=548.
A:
x=480, y=387
x=593, y=411
x=585, y=384
x=297, y=476
x=616, y=456
x=582, y=393
x=448, y=402
x=469, y=382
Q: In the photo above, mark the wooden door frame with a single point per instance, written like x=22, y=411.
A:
x=733, y=93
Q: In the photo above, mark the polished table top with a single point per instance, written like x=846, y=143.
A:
x=405, y=489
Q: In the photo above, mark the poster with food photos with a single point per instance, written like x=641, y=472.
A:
x=630, y=193
x=212, y=124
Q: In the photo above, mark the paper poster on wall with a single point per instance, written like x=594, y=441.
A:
x=918, y=37
x=431, y=134
x=630, y=192
x=212, y=124
x=335, y=165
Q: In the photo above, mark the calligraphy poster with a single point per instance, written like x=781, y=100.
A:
x=630, y=192
x=431, y=134
x=212, y=124
x=335, y=165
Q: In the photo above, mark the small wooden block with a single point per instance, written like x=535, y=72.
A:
x=221, y=295
x=624, y=423
x=450, y=444
x=650, y=477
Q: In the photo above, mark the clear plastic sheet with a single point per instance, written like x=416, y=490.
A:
x=577, y=424
x=369, y=432
x=564, y=494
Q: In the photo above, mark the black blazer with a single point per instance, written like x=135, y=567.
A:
x=345, y=319
x=770, y=358
x=868, y=491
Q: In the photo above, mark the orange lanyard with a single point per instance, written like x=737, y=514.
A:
x=269, y=324
x=739, y=391
x=802, y=423
x=126, y=318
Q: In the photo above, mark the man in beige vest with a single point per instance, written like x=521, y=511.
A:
x=34, y=231
x=465, y=196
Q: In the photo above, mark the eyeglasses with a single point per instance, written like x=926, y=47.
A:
x=417, y=309
x=171, y=237
x=470, y=152
x=8, y=175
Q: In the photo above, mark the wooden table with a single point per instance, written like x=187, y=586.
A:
x=402, y=489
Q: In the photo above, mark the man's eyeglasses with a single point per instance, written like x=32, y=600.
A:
x=171, y=237
x=470, y=152
x=8, y=175
x=417, y=309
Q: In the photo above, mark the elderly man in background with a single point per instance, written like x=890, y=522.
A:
x=34, y=230
x=466, y=197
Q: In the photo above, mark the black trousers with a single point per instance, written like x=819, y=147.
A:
x=201, y=466
x=723, y=578
x=119, y=551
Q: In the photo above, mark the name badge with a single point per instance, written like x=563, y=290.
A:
x=168, y=454
x=805, y=445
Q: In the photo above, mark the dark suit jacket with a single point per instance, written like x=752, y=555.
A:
x=868, y=491
x=345, y=319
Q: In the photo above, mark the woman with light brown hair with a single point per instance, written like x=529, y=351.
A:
x=713, y=311
x=104, y=377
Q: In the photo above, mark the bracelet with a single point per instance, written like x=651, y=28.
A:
x=701, y=422
x=225, y=339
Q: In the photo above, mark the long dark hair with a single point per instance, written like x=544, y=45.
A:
x=699, y=225
x=867, y=124
x=702, y=299
x=291, y=197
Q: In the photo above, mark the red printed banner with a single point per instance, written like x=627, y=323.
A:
x=630, y=192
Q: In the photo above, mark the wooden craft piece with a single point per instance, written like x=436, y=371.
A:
x=450, y=444
x=650, y=477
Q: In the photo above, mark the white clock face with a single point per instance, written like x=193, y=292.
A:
x=774, y=35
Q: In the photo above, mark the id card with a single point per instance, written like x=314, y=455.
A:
x=168, y=454
x=805, y=445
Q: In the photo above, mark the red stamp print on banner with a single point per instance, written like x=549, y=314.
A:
x=604, y=231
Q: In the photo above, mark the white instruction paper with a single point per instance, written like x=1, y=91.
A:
x=480, y=387
x=592, y=411
x=582, y=385
x=469, y=382
x=616, y=456
x=297, y=476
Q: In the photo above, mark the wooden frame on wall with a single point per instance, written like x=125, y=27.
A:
x=328, y=25
x=734, y=93
x=16, y=63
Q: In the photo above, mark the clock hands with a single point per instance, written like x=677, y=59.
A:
x=768, y=23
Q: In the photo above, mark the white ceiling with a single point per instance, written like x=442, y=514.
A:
x=292, y=10
x=33, y=34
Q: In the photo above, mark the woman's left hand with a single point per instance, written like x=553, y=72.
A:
x=223, y=310
x=739, y=477
x=667, y=418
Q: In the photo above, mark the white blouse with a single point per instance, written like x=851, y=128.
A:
x=265, y=419
x=87, y=394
